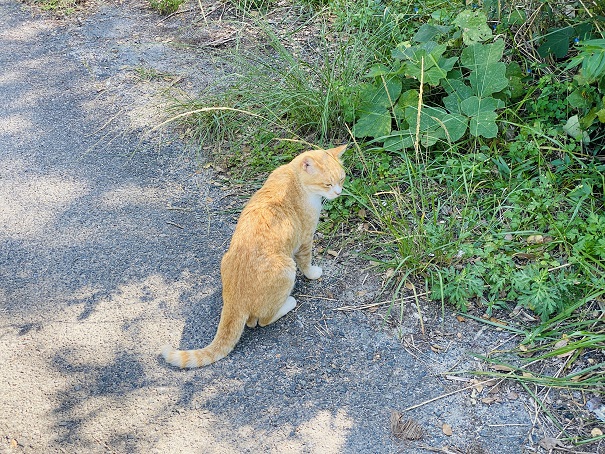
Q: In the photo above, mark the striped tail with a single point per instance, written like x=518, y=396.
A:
x=227, y=336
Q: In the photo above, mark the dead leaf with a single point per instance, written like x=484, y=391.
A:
x=409, y=285
x=362, y=213
x=409, y=429
x=389, y=273
x=489, y=400
x=495, y=389
x=495, y=320
x=527, y=375
x=596, y=432
x=333, y=253
x=535, y=239
x=437, y=348
x=460, y=318
x=566, y=354
x=14, y=443
x=447, y=430
x=550, y=443
x=508, y=237
x=562, y=343
x=477, y=385
x=502, y=368
x=523, y=348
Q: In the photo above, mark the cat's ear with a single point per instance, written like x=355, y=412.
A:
x=338, y=151
x=309, y=166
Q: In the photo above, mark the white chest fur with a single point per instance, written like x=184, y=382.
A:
x=315, y=202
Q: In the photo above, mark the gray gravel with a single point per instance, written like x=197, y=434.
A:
x=110, y=243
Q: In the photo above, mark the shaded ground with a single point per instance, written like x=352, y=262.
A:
x=109, y=248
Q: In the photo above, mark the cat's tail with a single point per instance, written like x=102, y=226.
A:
x=227, y=336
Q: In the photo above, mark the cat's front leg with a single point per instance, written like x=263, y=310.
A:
x=303, y=260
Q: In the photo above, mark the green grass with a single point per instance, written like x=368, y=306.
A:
x=58, y=6
x=166, y=7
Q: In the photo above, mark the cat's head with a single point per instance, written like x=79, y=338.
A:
x=322, y=172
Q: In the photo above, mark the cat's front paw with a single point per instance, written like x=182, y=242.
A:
x=314, y=272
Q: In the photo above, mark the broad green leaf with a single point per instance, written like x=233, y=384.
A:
x=516, y=17
x=459, y=91
x=473, y=106
x=483, y=115
x=429, y=117
x=382, y=93
x=435, y=124
x=373, y=124
x=513, y=69
x=573, y=129
x=479, y=55
x=576, y=100
x=454, y=126
x=379, y=70
x=474, y=26
x=514, y=74
x=517, y=89
x=407, y=99
x=488, y=73
x=556, y=42
x=430, y=51
x=398, y=140
x=425, y=61
x=447, y=63
x=427, y=32
x=484, y=125
x=593, y=65
x=587, y=120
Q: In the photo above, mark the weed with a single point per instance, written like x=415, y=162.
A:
x=166, y=7
x=58, y=6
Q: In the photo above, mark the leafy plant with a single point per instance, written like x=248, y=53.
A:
x=166, y=7
x=391, y=109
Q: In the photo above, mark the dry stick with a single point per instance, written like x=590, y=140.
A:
x=199, y=2
x=417, y=141
x=446, y=395
x=419, y=311
x=175, y=13
x=317, y=297
x=441, y=450
x=370, y=305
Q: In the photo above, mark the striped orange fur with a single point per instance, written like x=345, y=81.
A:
x=273, y=235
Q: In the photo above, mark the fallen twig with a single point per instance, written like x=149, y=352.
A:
x=381, y=303
x=445, y=395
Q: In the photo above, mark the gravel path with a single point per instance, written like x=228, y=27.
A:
x=109, y=248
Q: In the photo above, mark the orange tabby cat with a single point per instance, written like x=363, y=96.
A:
x=273, y=235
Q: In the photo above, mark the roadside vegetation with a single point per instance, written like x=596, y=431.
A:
x=477, y=162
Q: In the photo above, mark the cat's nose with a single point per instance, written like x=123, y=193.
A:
x=337, y=190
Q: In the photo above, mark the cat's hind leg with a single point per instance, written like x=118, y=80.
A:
x=252, y=321
x=280, y=302
x=288, y=305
